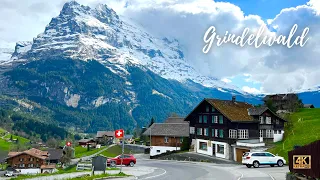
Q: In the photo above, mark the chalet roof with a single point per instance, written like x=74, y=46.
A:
x=55, y=153
x=256, y=111
x=85, y=140
x=175, y=120
x=32, y=152
x=168, y=129
x=233, y=110
x=280, y=96
x=105, y=133
x=308, y=106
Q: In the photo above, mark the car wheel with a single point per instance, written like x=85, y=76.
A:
x=112, y=164
x=272, y=165
x=248, y=166
x=256, y=164
x=131, y=164
x=280, y=163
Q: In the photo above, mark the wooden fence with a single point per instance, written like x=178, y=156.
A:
x=309, y=163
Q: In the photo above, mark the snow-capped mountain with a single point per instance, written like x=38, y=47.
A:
x=99, y=33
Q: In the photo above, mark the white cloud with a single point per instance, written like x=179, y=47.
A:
x=226, y=80
x=251, y=90
x=277, y=68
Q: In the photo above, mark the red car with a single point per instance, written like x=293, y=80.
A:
x=128, y=160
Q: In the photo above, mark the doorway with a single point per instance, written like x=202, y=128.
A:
x=213, y=149
x=239, y=153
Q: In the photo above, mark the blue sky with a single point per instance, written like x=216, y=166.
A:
x=267, y=9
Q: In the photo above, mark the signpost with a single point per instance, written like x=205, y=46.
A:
x=119, y=134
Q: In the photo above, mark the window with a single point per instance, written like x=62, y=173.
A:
x=30, y=165
x=191, y=130
x=220, y=149
x=261, y=119
x=158, y=151
x=277, y=121
x=203, y=145
x=243, y=134
x=261, y=132
x=200, y=119
x=269, y=133
x=212, y=132
x=30, y=159
x=215, y=119
x=268, y=120
x=268, y=154
x=204, y=119
x=37, y=160
x=275, y=131
x=207, y=109
x=166, y=139
x=220, y=119
x=21, y=165
x=181, y=140
x=37, y=165
x=216, y=132
x=221, y=133
x=199, y=131
x=232, y=134
x=280, y=132
x=206, y=131
x=213, y=109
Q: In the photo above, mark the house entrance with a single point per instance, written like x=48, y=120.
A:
x=213, y=149
x=239, y=153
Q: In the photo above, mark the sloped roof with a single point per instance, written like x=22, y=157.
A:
x=175, y=120
x=233, y=110
x=168, y=129
x=105, y=133
x=51, y=166
x=85, y=140
x=55, y=153
x=308, y=105
x=32, y=152
x=280, y=96
x=256, y=111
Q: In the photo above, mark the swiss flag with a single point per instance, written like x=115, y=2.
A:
x=119, y=133
x=68, y=143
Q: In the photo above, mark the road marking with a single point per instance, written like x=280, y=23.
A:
x=240, y=176
x=271, y=177
x=157, y=174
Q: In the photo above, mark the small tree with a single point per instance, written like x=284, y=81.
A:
x=151, y=122
x=128, y=131
x=11, y=138
x=67, y=155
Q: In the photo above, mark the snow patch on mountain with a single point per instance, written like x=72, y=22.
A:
x=160, y=94
x=85, y=33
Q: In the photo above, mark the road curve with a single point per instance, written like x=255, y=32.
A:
x=170, y=170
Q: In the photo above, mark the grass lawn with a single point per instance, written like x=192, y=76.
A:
x=114, y=151
x=2, y=132
x=4, y=145
x=305, y=129
x=100, y=176
x=81, y=151
x=22, y=140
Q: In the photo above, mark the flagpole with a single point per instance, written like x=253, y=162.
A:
x=122, y=152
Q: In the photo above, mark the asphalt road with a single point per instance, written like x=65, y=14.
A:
x=175, y=170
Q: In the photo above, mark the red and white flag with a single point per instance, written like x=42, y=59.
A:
x=68, y=143
x=119, y=133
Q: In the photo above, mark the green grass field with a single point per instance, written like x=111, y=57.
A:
x=305, y=129
x=114, y=151
x=22, y=140
x=81, y=151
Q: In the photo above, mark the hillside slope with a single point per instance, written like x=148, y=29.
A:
x=303, y=128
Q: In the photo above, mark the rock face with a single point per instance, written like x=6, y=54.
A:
x=85, y=33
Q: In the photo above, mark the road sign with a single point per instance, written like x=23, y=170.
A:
x=119, y=133
x=68, y=143
x=301, y=162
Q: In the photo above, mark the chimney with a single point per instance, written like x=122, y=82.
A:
x=233, y=98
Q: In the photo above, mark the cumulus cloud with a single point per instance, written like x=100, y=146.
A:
x=276, y=68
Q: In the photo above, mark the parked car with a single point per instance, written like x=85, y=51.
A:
x=256, y=159
x=8, y=174
x=128, y=160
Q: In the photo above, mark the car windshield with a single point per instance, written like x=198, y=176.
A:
x=245, y=154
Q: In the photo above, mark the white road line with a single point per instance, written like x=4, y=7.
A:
x=157, y=174
x=240, y=176
x=271, y=177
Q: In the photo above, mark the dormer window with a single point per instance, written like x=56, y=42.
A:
x=213, y=109
x=268, y=120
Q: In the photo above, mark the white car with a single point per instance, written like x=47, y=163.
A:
x=256, y=159
x=8, y=174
